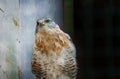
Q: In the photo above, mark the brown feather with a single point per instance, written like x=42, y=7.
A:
x=47, y=42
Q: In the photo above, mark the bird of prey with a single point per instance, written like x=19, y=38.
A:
x=54, y=54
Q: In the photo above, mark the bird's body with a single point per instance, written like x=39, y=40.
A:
x=54, y=53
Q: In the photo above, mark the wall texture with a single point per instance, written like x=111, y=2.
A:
x=17, y=25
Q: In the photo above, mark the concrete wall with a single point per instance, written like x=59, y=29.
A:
x=17, y=25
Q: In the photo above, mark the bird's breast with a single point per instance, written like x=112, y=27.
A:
x=48, y=67
x=53, y=43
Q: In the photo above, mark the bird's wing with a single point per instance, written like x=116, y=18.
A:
x=70, y=66
x=70, y=60
x=71, y=48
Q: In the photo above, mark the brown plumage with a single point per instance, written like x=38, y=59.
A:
x=54, y=53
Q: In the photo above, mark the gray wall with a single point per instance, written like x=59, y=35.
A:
x=17, y=26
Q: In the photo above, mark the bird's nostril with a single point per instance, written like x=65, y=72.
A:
x=41, y=24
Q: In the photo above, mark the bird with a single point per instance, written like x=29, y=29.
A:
x=54, y=53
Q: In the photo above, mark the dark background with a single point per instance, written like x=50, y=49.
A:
x=96, y=34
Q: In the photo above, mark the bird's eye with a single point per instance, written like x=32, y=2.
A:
x=47, y=20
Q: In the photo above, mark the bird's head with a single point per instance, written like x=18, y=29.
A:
x=45, y=24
